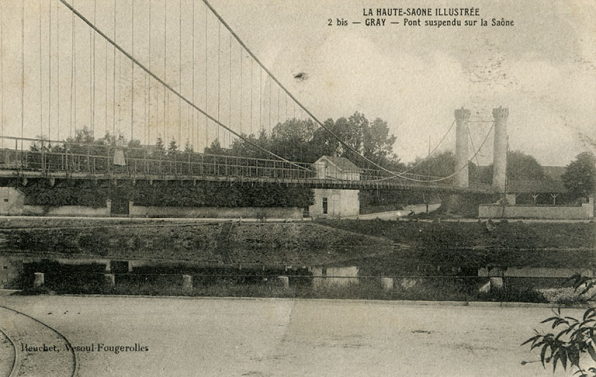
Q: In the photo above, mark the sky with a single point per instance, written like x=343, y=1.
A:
x=542, y=69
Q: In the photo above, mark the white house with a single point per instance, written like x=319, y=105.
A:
x=336, y=202
x=11, y=201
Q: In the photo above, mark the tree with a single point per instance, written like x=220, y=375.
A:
x=575, y=339
x=188, y=148
x=293, y=140
x=520, y=167
x=372, y=140
x=378, y=144
x=160, y=149
x=437, y=165
x=580, y=176
x=215, y=148
x=173, y=148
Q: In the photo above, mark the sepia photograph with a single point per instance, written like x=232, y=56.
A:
x=271, y=188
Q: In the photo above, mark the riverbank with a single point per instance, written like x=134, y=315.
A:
x=474, y=245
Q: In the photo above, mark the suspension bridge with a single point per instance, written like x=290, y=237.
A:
x=139, y=71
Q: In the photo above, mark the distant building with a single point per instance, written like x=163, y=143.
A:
x=11, y=201
x=544, y=191
x=336, y=203
x=539, y=199
x=550, y=190
x=331, y=167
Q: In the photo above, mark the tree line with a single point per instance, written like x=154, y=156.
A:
x=303, y=141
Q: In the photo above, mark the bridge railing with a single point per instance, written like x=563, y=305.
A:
x=405, y=178
x=97, y=159
x=138, y=163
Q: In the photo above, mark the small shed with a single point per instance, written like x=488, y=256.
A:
x=11, y=201
x=336, y=203
x=332, y=167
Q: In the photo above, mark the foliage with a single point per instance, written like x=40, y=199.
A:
x=172, y=148
x=301, y=140
x=520, y=167
x=215, y=148
x=575, y=337
x=438, y=165
x=204, y=194
x=580, y=176
x=513, y=294
x=65, y=193
x=372, y=140
x=384, y=200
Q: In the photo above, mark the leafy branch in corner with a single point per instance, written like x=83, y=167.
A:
x=575, y=337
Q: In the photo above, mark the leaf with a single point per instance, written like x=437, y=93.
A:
x=574, y=358
x=549, y=319
x=532, y=339
x=542, y=354
x=592, y=351
x=564, y=359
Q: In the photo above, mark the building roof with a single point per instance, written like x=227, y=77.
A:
x=536, y=186
x=343, y=164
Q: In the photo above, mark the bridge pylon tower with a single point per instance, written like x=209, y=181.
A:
x=461, y=147
x=500, y=150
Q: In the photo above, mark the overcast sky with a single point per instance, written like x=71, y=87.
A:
x=542, y=69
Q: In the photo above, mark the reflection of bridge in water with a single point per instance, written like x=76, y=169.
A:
x=96, y=162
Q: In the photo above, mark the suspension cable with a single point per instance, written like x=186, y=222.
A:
x=94, y=86
x=113, y=78
x=58, y=70
x=260, y=101
x=105, y=120
x=165, y=70
x=431, y=152
x=218, y=74
x=2, y=73
x=149, y=79
x=206, y=82
x=241, y=91
x=180, y=72
x=72, y=75
x=22, y=71
x=40, y=75
x=294, y=98
x=270, y=107
x=132, y=75
x=451, y=175
x=251, y=95
x=172, y=90
x=230, y=99
x=50, y=71
x=193, y=117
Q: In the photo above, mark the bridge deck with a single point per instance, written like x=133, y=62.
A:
x=142, y=165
